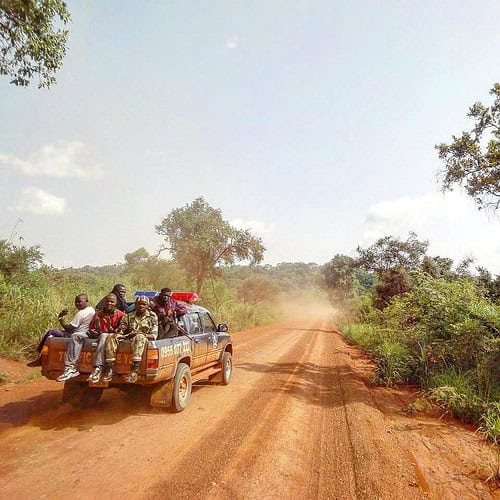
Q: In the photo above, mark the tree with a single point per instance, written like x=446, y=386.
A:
x=200, y=240
x=437, y=267
x=137, y=256
x=473, y=159
x=392, y=253
x=339, y=275
x=258, y=289
x=30, y=43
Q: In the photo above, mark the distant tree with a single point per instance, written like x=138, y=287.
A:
x=258, y=289
x=150, y=271
x=463, y=268
x=488, y=284
x=437, y=267
x=30, y=42
x=339, y=275
x=392, y=253
x=295, y=276
x=200, y=240
x=473, y=159
x=139, y=255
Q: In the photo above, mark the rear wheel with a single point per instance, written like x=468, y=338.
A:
x=182, y=388
x=227, y=368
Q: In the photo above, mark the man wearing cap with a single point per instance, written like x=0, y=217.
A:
x=168, y=310
x=138, y=327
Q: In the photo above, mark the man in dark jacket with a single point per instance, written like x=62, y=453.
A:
x=167, y=310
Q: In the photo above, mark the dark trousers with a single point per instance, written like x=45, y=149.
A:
x=51, y=333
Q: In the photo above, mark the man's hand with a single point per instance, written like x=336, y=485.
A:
x=63, y=313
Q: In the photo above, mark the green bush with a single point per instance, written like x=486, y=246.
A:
x=441, y=335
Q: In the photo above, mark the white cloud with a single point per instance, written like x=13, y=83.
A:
x=256, y=226
x=451, y=223
x=66, y=159
x=232, y=42
x=38, y=202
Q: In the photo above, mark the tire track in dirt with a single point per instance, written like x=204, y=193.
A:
x=259, y=414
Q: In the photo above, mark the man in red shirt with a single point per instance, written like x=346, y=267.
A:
x=103, y=324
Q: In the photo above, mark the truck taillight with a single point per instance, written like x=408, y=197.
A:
x=152, y=358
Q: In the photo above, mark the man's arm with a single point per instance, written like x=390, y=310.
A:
x=180, y=309
x=67, y=327
x=153, y=333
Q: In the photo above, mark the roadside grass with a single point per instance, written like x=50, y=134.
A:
x=490, y=429
x=443, y=337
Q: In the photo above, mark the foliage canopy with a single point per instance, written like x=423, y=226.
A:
x=30, y=43
x=200, y=240
x=390, y=252
x=473, y=159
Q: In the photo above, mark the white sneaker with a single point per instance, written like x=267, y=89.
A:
x=69, y=372
x=95, y=376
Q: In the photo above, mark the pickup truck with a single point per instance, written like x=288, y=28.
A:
x=169, y=367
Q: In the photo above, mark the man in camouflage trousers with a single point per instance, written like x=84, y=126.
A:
x=138, y=327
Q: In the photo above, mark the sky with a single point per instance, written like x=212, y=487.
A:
x=311, y=123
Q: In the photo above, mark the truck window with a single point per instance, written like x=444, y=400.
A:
x=194, y=319
x=208, y=324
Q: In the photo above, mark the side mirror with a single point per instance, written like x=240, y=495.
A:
x=222, y=327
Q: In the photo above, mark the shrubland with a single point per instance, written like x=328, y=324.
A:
x=427, y=323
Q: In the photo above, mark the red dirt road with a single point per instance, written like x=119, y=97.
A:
x=299, y=420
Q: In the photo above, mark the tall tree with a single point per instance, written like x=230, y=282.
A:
x=390, y=252
x=473, y=159
x=30, y=42
x=200, y=240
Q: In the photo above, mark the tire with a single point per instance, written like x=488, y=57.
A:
x=182, y=388
x=73, y=391
x=90, y=396
x=227, y=368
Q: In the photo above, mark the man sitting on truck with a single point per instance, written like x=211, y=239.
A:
x=168, y=310
x=103, y=324
x=79, y=323
x=138, y=327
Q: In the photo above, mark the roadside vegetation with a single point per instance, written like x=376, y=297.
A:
x=32, y=293
x=425, y=322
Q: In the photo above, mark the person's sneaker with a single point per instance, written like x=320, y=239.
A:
x=132, y=377
x=108, y=375
x=95, y=376
x=69, y=372
x=35, y=362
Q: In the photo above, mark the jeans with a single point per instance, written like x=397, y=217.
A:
x=74, y=349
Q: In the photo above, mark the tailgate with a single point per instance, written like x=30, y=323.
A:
x=56, y=350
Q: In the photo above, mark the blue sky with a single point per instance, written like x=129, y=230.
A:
x=312, y=123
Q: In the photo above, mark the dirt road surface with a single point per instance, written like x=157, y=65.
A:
x=300, y=419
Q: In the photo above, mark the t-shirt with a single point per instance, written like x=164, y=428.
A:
x=81, y=320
